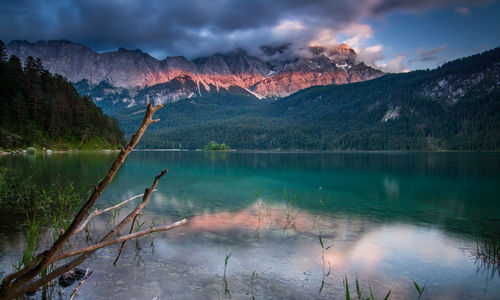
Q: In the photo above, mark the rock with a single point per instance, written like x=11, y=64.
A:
x=70, y=277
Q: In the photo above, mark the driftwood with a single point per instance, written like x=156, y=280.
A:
x=27, y=279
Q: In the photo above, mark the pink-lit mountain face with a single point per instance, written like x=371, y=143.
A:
x=277, y=73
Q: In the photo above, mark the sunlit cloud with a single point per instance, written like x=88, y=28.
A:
x=395, y=65
x=289, y=26
x=358, y=34
x=371, y=55
x=325, y=37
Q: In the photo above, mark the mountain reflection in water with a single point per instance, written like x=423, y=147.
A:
x=282, y=245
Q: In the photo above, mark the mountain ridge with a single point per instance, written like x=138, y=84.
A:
x=280, y=75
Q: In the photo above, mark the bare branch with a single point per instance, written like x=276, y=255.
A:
x=120, y=239
x=65, y=268
x=98, y=212
x=123, y=243
x=87, y=275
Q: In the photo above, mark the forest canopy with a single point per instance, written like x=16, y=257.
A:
x=40, y=109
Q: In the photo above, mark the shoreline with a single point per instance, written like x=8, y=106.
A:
x=50, y=151
x=316, y=151
x=300, y=151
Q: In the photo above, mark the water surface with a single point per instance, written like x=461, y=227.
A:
x=391, y=218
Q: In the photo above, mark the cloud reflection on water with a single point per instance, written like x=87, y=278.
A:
x=389, y=255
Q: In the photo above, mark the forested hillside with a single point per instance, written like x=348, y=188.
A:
x=44, y=110
x=454, y=107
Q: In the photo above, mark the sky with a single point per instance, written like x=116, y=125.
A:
x=393, y=35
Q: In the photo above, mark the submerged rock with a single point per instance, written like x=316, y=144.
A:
x=70, y=277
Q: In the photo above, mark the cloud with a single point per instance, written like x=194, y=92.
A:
x=287, y=26
x=371, y=55
x=357, y=34
x=198, y=27
x=395, y=65
x=431, y=54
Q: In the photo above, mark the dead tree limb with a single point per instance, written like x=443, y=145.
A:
x=113, y=233
x=87, y=275
x=123, y=238
x=25, y=280
x=98, y=212
x=123, y=243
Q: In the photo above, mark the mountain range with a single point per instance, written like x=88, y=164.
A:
x=125, y=77
x=453, y=107
x=280, y=103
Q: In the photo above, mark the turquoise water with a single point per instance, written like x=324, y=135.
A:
x=391, y=218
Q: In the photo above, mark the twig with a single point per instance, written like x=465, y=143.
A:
x=123, y=243
x=98, y=212
x=87, y=275
x=123, y=238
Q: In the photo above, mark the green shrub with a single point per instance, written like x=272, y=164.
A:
x=31, y=150
x=213, y=146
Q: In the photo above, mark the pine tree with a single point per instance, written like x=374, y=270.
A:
x=35, y=104
x=3, y=52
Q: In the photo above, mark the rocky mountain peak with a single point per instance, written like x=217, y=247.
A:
x=239, y=62
x=213, y=65
x=178, y=63
x=342, y=49
x=47, y=49
x=317, y=50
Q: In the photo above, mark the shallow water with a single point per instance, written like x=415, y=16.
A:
x=391, y=218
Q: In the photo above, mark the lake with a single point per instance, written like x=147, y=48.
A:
x=391, y=218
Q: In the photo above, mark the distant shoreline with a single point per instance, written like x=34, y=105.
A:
x=321, y=151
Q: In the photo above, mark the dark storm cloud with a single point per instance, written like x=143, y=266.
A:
x=190, y=27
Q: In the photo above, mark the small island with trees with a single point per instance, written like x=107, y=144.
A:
x=213, y=146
